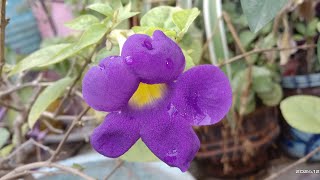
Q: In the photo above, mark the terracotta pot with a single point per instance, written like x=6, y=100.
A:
x=260, y=129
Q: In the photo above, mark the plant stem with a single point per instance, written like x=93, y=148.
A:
x=36, y=165
x=300, y=161
x=255, y=51
x=74, y=123
x=3, y=24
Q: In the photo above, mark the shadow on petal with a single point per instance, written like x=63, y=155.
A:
x=170, y=138
x=202, y=95
x=116, y=134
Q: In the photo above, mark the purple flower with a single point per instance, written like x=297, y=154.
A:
x=149, y=97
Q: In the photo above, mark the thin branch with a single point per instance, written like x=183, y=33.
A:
x=19, y=87
x=3, y=24
x=74, y=123
x=300, y=161
x=51, y=128
x=121, y=162
x=24, y=146
x=59, y=108
x=10, y=106
x=36, y=165
x=65, y=118
x=234, y=34
x=239, y=57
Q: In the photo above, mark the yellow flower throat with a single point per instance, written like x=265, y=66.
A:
x=146, y=94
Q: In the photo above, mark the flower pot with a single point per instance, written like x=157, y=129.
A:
x=294, y=142
x=298, y=144
x=22, y=34
x=51, y=16
x=260, y=129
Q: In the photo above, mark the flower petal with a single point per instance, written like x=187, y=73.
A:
x=172, y=141
x=116, y=134
x=109, y=86
x=203, y=95
x=156, y=59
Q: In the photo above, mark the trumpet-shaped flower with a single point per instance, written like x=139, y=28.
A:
x=150, y=97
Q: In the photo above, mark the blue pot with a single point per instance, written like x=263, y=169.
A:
x=22, y=34
x=298, y=144
x=301, y=81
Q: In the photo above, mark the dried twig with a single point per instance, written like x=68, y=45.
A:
x=255, y=51
x=120, y=163
x=74, y=123
x=24, y=146
x=300, y=161
x=3, y=24
x=25, y=85
x=27, y=167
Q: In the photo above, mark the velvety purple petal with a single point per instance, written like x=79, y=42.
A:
x=156, y=59
x=203, y=95
x=116, y=135
x=171, y=140
x=109, y=86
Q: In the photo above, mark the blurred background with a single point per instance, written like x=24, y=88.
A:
x=267, y=48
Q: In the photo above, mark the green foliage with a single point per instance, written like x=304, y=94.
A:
x=302, y=112
x=160, y=17
x=102, y=8
x=90, y=37
x=214, y=28
x=82, y=22
x=260, y=12
x=46, y=97
x=6, y=150
x=184, y=18
x=38, y=58
x=139, y=152
x=174, y=22
x=263, y=85
x=4, y=136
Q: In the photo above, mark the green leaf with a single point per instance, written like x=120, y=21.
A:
x=103, y=53
x=125, y=13
x=77, y=166
x=189, y=61
x=46, y=97
x=246, y=38
x=149, y=31
x=102, y=8
x=91, y=36
x=4, y=136
x=302, y=112
x=5, y=151
x=82, y=22
x=260, y=12
x=159, y=17
x=273, y=97
x=139, y=152
x=192, y=42
x=262, y=84
x=38, y=58
x=184, y=18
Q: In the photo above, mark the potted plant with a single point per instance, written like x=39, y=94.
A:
x=239, y=144
x=301, y=114
x=300, y=71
